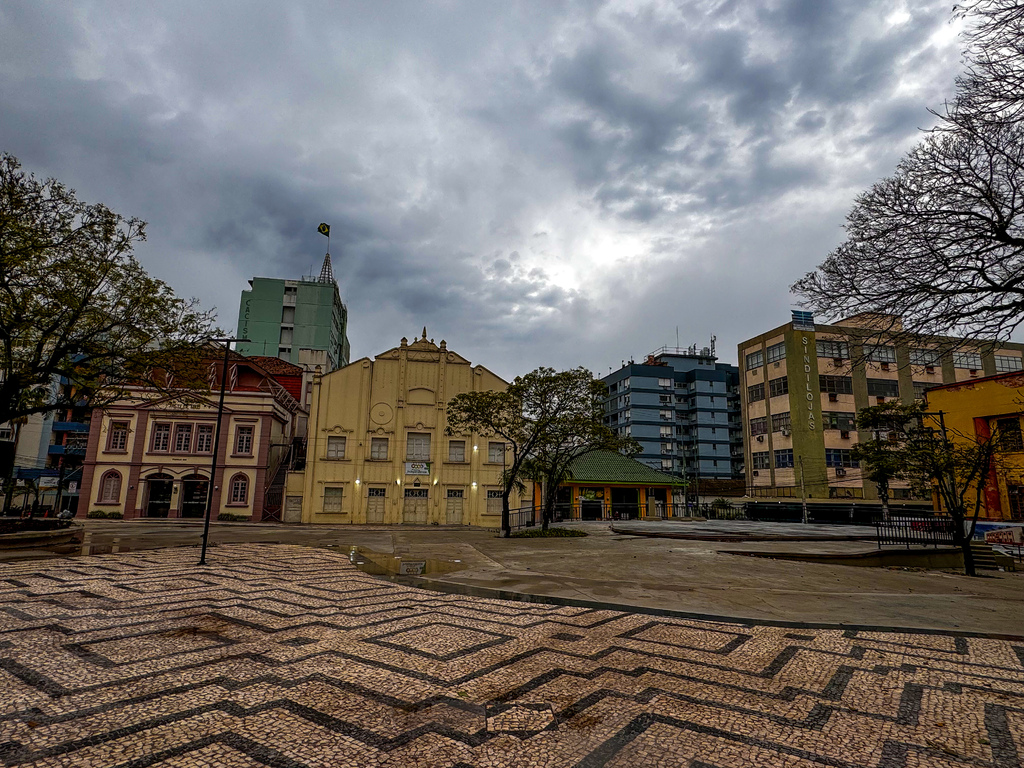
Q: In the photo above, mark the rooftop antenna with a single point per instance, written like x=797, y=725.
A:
x=326, y=271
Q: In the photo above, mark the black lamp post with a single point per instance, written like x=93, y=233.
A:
x=216, y=445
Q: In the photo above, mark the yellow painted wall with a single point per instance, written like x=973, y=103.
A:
x=402, y=391
x=992, y=398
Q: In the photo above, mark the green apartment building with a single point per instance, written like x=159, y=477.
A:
x=802, y=385
x=301, y=321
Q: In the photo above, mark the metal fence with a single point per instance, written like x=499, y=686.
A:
x=530, y=516
x=922, y=531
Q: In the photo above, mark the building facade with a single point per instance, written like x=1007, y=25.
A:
x=804, y=383
x=302, y=321
x=376, y=449
x=683, y=407
x=150, y=455
x=982, y=408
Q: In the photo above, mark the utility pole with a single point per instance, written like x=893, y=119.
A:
x=803, y=491
x=216, y=445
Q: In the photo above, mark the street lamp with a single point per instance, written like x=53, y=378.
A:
x=216, y=444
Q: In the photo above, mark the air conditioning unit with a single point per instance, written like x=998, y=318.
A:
x=754, y=473
x=884, y=366
x=760, y=438
x=929, y=369
x=881, y=399
x=845, y=435
x=837, y=361
x=785, y=433
x=833, y=397
x=892, y=437
x=974, y=371
x=840, y=472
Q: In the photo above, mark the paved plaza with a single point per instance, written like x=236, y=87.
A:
x=281, y=655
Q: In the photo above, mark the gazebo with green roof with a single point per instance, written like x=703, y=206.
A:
x=606, y=484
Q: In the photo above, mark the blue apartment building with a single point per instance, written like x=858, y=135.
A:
x=683, y=407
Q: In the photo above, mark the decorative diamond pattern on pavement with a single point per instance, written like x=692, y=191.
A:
x=289, y=657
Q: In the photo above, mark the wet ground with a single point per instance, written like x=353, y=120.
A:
x=694, y=577
x=290, y=657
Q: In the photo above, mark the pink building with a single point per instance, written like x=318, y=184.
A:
x=150, y=454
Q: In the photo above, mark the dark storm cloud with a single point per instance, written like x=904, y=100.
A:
x=539, y=183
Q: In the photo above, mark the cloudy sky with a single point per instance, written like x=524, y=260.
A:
x=539, y=183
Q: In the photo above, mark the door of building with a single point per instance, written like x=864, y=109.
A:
x=158, y=495
x=375, y=498
x=194, y=491
x=625, y=503
x=415, y=511
x=453, y=510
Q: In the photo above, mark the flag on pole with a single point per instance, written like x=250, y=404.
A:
x=324, y=229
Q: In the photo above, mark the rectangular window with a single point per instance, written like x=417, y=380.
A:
x=841, y=420
x=970, y=360
x=161, y=438
x=204, y=438
x=883, y=388
x=781, y=421
x=759, y=426
x=839, y=457
x=117, y=439
x=378, y=449
x=182, y=438
x=666, y=465
x=494, y=502
x=336, y=447
x=332, y=500
x=759, y=460
x=779, y=386
x=755, y=360
x=243, y=440
x=624, y=384
x=664, y=382
x=665, y=415
x=6, y=433
x=417, y=447
x=837, y=350
x=925, y=357
x=457, y=450
x=665, y=399
x=877, y=353
x=836, y=385
x=920, y=387
x=665, y=431
x=1008, y=434
x=784, y=458
x=288, y=315
x=776, y=352
x=456, y=493
x=495, y=453
x=1007, y=364
x=376, y=493
x=755, y=393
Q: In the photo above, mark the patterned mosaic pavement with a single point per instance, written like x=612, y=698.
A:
x=288, y=657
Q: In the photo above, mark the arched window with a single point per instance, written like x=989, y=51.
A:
x=239, y=489
x=110, y=487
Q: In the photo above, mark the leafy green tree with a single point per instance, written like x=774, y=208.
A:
x=882, y=455
x=75, y=303
x=577, y=430
x=531, y=416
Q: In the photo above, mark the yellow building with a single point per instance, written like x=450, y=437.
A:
x=988, y=405
x=376, y=448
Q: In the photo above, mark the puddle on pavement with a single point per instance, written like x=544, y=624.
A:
x=380, y=564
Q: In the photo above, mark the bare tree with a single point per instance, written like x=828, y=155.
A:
x=940, y=243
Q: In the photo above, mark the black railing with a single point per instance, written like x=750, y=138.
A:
x=528, y=517
x=922, y=531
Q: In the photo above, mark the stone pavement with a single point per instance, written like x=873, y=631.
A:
x=287, y=656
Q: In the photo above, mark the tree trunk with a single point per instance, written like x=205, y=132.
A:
x=883, y=494
x=506, y=523
x=964, y=542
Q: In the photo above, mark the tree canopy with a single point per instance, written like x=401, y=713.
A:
x=75, y=304
x=542, y=417
x=940, y=242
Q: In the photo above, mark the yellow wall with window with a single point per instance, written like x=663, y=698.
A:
x=376, y=450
